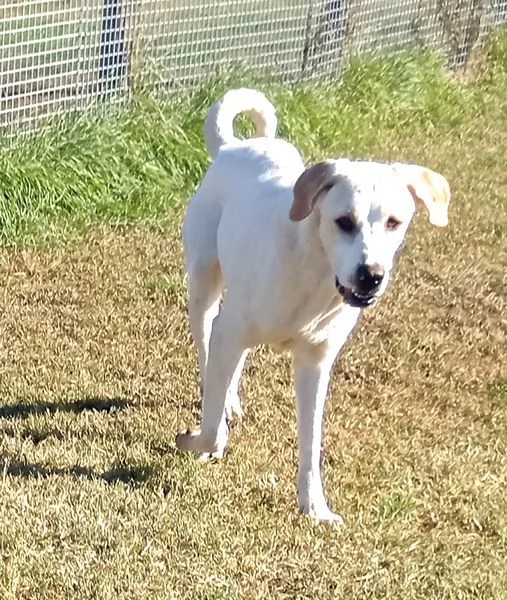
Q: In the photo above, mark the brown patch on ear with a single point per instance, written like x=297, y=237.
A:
x=430, y=188
x=312, y=182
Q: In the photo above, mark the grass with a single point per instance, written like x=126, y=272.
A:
x=140, y=165
x=500, y=391
x=98, y=373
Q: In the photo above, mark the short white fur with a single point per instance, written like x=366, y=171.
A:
x=246, y=231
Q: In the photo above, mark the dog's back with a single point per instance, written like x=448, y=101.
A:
x=240, y=171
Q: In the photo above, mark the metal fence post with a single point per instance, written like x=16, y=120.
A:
x=113, y=48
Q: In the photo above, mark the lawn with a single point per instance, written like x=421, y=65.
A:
x=98, y=372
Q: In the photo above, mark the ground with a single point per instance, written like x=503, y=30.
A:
x=98, y=374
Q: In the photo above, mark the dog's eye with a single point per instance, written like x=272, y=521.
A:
x=392, y=223
x=346, y=224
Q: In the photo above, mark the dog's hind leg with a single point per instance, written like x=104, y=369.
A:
x=226, y=352
x=233, y=402
x=204, y=304
x=204, y=290
x=205, y=281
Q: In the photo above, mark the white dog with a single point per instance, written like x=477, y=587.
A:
x=299, y=253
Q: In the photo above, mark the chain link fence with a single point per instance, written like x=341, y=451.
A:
x=61, y=56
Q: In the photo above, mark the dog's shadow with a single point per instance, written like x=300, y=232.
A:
x=126, y=474
x=132, y=476
x=23, y=410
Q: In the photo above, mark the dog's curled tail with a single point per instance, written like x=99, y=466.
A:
x=219, y=125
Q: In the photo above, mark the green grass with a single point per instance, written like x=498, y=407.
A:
x=98, y=372
x=136, y=166
x=500, y=391
x=396, y=506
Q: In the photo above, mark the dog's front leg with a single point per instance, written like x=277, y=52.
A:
x=311, y=377
x=225, y=353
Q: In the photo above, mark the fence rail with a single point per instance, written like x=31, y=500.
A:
x=61, y=56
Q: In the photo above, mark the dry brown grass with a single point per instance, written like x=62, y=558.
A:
x=98, y=373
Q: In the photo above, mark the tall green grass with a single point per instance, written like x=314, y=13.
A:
x=137, y=166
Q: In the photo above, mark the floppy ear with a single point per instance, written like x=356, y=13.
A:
x=428, y=187
x=312, y=182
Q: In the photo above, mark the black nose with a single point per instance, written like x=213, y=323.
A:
x=369, y=278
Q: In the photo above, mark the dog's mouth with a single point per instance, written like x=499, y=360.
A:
x=354, y=298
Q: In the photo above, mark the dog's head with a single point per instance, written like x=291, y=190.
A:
x=364, y=210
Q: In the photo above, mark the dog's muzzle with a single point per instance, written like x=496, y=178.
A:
x=354, y=298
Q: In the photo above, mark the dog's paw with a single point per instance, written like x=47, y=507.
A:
x=207, y=456
x=203, y=447
x=233, y=406
x=321, y=513
x=326, y=516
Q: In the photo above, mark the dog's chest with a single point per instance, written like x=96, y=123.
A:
x=334, y=321
x=338, y=318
